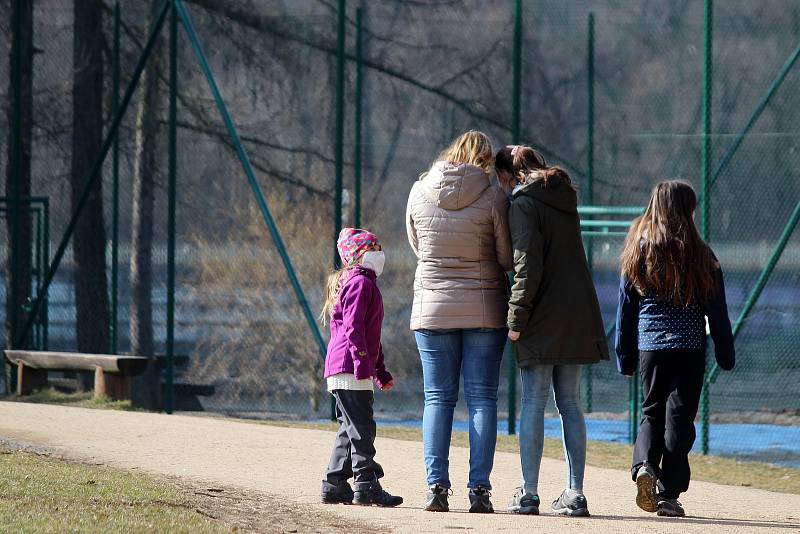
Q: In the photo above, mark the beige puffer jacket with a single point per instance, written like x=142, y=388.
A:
x=457, y=224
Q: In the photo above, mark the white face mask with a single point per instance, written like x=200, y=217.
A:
x=374, y=261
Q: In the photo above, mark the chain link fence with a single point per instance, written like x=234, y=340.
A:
x=429, y=71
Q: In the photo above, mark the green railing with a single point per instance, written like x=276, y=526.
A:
x=39, y=207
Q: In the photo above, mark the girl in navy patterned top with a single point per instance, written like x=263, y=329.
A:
x=671, y=282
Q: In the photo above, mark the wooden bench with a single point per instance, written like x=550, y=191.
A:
x=111, y=372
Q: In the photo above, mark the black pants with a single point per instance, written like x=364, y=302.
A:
x=672, y=381
x=353, y=452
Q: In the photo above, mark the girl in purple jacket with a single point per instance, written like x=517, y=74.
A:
x=354, y=307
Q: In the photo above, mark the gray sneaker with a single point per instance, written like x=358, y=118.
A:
x=646, y=489
x=524, y=503
x=670, y=508
x=574, y=506
x=437, y=499
x=479, y=502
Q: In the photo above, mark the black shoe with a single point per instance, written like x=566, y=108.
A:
x=437, y=499
x=341, y=494
x=372, y=494
x=670, y=508
x=479, y=502
x=574, y=506
x=524, y=503
x=646, y=489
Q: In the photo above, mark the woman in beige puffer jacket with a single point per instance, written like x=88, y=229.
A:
x=457, y=224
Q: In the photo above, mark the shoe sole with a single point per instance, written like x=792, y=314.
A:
x=524, y=510
x=437, y=508
x=646, y=492
x=665, y=513
x=669, y=514
x=323, y=500
x=376, y=504
x=578, y=512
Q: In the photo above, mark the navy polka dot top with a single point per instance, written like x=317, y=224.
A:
x=662, y=325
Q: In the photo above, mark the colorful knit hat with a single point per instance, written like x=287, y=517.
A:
x=353, y=243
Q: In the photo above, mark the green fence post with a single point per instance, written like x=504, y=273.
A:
x=704, y=178
x=339, y=164
x=517, y=73
x=705, y=153
x=631, y=409
x=357, y=128
x=115, y=186
x=590, y=121
x=341, y=13
x=704, y=410
x=45, y=263
x=173, y=169
x=39, y=266
x=590, y=169
x=96, y=167
x=516, y=90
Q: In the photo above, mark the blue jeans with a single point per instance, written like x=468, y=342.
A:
x=566, y=380
x=446, y=354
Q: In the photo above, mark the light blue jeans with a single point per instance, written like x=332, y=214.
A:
x=445, y=355
x=566, y=381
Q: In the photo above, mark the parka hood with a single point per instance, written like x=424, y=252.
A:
x=558, y=195
x=454, y=187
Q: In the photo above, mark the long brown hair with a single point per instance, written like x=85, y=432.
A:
x=526, y=164
x=664, y=254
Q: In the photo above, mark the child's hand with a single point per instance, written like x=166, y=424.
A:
x=388, y=385
x=513, y=335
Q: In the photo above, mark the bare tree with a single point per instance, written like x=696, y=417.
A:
x=91, y=294
x=146, y=389
x=18, y=266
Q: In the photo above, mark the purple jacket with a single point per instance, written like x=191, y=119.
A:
x=355, y=345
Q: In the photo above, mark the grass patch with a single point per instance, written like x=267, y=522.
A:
x=81, y=399
x=716, y=469
x=40, y=494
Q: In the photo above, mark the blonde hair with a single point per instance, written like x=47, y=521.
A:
x=472, y=147
x=332, y=288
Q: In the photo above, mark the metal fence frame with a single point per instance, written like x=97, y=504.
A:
x=591, y=225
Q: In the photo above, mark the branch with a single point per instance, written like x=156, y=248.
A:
x=283, y=176
x=246, y=17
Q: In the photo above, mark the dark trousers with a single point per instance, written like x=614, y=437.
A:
x=671, y=383
x=353, y=452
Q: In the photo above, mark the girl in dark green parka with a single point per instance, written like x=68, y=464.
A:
x=553, y=319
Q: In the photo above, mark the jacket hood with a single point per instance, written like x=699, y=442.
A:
x=454, y=187
x=559, y=195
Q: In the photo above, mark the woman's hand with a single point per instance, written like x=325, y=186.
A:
x=387, y=386
x=513, y=335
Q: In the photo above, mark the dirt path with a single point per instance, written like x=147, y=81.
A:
x=289, y=462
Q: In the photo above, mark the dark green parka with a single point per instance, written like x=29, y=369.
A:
x=553, y=300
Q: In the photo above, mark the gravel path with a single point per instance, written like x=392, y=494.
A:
x=289, y=462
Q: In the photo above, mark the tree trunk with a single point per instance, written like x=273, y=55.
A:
x=146, y=390
x=89, y=241
x=18, y=266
